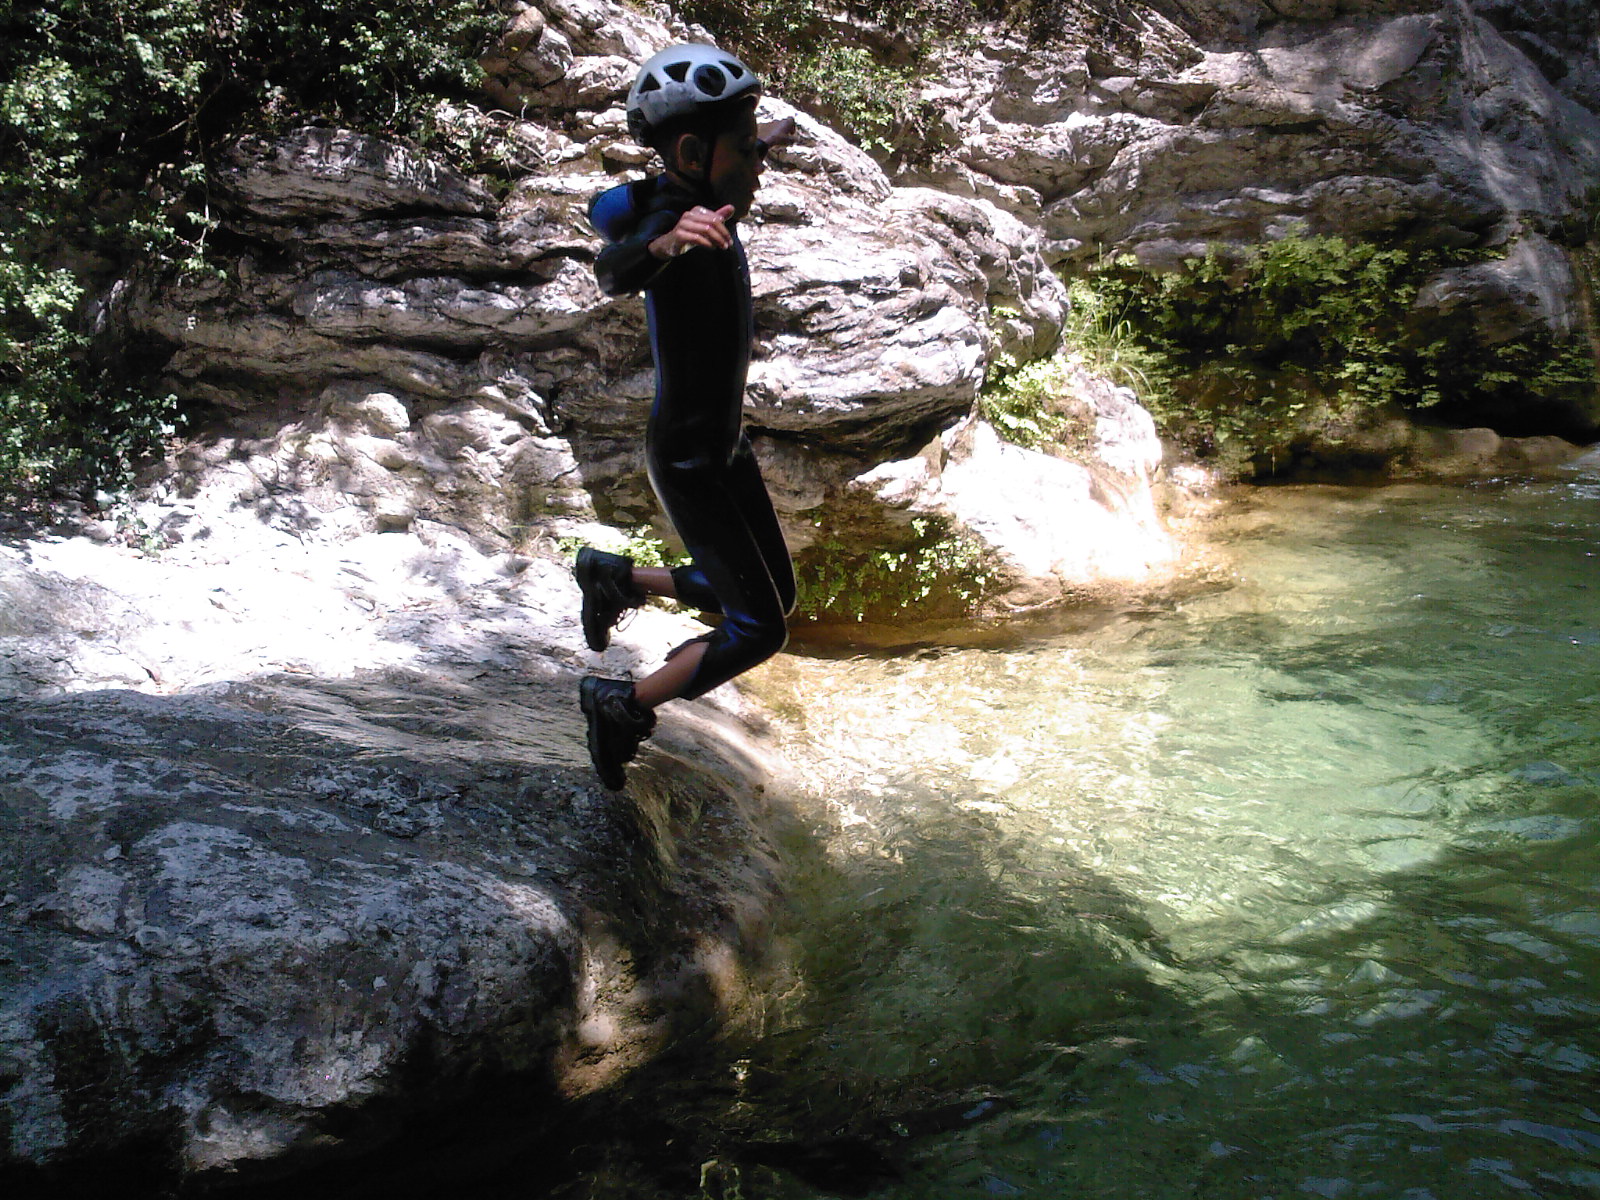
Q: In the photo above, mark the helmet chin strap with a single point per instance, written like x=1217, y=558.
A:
x=704, y=181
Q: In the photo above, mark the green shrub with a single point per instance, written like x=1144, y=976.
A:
x=1246, y=353
x=1105, y=341
x=108, y=112
x=641, y=544
x=813, y=56
x=1028, y=405
x=866, y=99
x=940, y=573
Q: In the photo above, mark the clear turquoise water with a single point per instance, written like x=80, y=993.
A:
x=1290, y=890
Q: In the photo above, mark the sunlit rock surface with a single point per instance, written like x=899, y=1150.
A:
x=339, y=864
x=1230, y=121
x=1059, y=527
x=482, y=320
x=245, y=922
x=510, y=395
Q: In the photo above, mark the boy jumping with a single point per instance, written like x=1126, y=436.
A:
x=675, y=237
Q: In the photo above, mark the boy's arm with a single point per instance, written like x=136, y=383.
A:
x=625, y=264
x=633, y=263
x=628, y=265
x=642, y=245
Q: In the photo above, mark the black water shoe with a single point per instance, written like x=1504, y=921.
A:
x=606, y=581
x=617, y=724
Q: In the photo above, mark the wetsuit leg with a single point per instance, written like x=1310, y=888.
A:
x=691, y=587
x=723, y=514
x=751, y=500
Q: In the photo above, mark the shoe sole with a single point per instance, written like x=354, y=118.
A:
x=583, y=571
x=617, y=776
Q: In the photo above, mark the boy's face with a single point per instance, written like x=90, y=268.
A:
x=736, y=163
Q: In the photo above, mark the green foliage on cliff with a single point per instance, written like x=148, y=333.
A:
x=61, y=414
x=108, y=112
x=640, y=543
x=856, y=64
x=1240, y=354
x=1247, y=348
x=812, y=56
x=938, y=573
x=1030, y=405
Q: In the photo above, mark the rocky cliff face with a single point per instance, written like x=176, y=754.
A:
x=397, y=339
x=1230, y=122
x=1158, y=128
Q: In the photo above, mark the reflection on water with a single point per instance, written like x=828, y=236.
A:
x=1288, y=891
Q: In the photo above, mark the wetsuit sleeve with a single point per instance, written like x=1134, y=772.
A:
x=626, y=265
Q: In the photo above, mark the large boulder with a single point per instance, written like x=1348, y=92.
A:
x=1057, y=526
x=302, y=854
x=244, y=924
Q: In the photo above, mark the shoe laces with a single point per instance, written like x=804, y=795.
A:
x=625, y=618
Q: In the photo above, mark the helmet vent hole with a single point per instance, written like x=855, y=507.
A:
x=678, y=71
x=733, y=68
x=649, y=84
x=710, y=80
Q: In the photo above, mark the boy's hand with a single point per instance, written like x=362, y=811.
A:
x=697, y=227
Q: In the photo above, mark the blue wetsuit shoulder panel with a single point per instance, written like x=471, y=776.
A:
x=614, y=213
x=629, y=217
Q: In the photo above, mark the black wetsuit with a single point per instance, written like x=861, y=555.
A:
x=700, y=464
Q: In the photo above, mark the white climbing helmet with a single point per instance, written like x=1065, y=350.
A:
x=682, y=80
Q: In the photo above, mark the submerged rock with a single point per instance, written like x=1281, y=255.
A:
x=1394, y=446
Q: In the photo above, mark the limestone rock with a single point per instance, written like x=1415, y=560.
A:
x=1398, y=447
x=1157, y=131
x=346, y=826
x=1321, y=129
x=484, y=323
x=1235, y=122
x=1059, y=527
x=335, y=172
x=261, y=910
x=882, y=302
x=1531, y=289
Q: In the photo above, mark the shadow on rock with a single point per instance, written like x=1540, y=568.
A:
x=288, y=924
